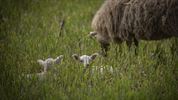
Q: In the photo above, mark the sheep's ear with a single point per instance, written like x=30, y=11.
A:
x=92, y=34
x=75, y=56
x=93, y=56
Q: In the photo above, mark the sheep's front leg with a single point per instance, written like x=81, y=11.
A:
x=129, y=44
x=104, y=48
x=136, y=44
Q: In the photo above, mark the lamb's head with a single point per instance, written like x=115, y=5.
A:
x=49, y=62
x=85, y=59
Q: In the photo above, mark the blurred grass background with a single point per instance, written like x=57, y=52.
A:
x=30, y=30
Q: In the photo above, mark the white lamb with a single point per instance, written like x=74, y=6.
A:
x=87, y=59
x=49, y=62
x=46, y=66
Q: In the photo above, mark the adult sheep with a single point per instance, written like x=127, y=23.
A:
x=134, y=20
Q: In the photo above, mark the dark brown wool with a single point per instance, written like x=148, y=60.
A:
x=129, y=20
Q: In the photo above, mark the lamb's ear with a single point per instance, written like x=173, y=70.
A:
x=40, y=61
x=93, y=56
x=61, y=56
x=75, y=56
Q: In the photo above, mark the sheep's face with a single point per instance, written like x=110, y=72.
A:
x=101, y=37
x=103, y=40
x=92, y=34
x=85, y=59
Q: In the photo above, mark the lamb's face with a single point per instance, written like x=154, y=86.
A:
x=85, y=59
x=49, y=62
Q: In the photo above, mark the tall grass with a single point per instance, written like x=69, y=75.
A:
x=30, y=30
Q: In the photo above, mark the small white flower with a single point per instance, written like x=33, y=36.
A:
x=40, y=76
x=101, y=70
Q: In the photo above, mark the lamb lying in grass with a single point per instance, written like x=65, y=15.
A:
x=47, y=64
x=87, y=59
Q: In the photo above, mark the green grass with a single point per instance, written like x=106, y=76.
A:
x=29, y=30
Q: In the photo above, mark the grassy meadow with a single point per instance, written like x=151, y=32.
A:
x=31, y=30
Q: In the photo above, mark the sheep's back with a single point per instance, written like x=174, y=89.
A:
x=151, y=19
x=143, y=19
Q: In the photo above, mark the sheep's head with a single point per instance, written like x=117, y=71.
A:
x=92, y=34
x=103, y=39
x=85, y=59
